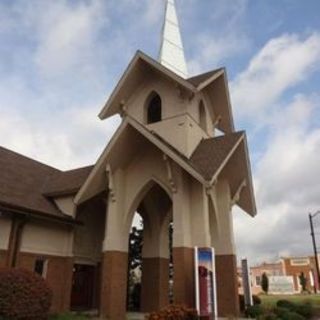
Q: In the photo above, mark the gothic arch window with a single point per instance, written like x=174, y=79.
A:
x=154, y=108
x=202, y=116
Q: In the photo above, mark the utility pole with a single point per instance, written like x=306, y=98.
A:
x=315, y=249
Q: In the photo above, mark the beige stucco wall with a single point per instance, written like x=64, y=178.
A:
x=5, y=227
x=190, y=202
x=182, y=132
x=222, y=237
x=180, y=125
x=88, y=238
x=172, y=102
x=66, y=205
x=130, y=185
x=47, y=238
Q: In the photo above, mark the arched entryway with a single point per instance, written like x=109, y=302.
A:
x=154, y=206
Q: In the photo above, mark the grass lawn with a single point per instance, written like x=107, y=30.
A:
x=271, y=300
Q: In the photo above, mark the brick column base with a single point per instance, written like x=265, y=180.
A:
x=155, y=284
x=183, y=276
x=3, y=258
x=227, y=285
x=114, y=285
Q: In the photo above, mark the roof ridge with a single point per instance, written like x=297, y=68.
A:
x=75, y=169
x=28, y=158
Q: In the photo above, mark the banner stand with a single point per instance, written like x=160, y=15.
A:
x=205, y=283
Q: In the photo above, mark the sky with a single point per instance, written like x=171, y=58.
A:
x=60, y=60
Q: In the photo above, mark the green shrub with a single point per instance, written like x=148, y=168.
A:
x=290, y=315
x=24, y=295
x=286, y=304
x=254, y=311
x=256, y=300
x=280, y=311
x=304, y=310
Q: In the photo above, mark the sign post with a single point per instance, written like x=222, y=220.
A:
x=248, y=301
x=205, y=280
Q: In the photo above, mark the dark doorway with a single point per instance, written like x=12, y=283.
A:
x=83, y=287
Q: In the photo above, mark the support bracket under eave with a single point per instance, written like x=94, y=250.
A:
x=237, y=194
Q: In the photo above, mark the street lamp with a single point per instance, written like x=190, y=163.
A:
x=311, y=216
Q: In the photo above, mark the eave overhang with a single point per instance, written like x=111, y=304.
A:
x=29, y=213
x=213, y=84
x=97, y=181
x=140, y=65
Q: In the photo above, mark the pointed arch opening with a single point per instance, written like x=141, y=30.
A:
x=153, y=108
x=202, y=116
x=150, y=245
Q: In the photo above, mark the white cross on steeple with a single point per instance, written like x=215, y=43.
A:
x=171, y=51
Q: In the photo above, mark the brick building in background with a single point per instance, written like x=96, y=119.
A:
x=286, y=266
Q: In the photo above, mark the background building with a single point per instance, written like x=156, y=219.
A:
x=287, y=267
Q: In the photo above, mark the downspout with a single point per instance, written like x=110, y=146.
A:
x=15, y=240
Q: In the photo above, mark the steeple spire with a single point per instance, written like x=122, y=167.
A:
x=171, y=51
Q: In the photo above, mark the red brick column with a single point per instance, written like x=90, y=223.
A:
x=155, y=284
x=183, y=276
x=3, y=258
x=227, y=285
x=114, y=285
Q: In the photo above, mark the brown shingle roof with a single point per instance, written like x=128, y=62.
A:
x=210, y=153
x=21, y=182
x=24, y=180
x=67, y=182
x=196, y=80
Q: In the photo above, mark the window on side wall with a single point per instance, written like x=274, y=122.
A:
x=40, y=267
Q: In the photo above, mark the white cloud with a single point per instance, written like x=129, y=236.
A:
x=281, y=64
x=287, y=186
x=287, y=170
x=74, y=139
x=68, y=35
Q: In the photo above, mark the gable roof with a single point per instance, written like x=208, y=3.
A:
x=142, y=65
x=211, y=153
x=66, y=182
x=206, y=162
x=200, y=79
x=22, y=181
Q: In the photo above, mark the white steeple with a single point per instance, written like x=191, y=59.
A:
x=171, y=51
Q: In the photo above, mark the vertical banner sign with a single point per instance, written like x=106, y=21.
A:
x=246, y=282
x=205, y=278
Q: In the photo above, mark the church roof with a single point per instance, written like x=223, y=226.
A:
x=26, y=184
x=205, y=164
x=22, y=181
x=211, y=153
x=201, y=78
x=142, y=65
x=66, y=182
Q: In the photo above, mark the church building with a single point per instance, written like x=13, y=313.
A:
x=176, y=157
